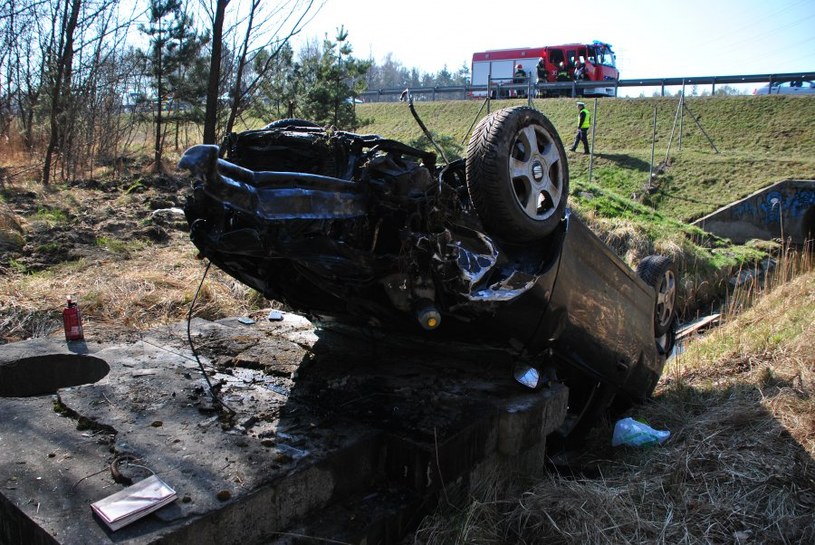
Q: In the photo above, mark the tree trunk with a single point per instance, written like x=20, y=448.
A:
x=211, y=114
x=158, y=53
x=61, y=85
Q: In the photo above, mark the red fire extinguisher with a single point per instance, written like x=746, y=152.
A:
x=72, y=320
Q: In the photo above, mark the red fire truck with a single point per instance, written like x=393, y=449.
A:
x=498, y=68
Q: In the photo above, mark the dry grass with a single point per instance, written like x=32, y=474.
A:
x=154, y=286
x=124, y=283
x=739, y=466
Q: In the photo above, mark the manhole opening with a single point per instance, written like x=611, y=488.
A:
x=43, y=375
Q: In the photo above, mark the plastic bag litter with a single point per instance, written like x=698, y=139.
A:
x=633, y=433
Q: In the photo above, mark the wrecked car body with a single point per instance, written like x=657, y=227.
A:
x=366, y=231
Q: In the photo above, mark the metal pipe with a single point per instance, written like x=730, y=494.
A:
x=681, y=115
x=591, y=151
x=653, y=146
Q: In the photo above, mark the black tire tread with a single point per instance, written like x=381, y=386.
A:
x=481, y=158
x=486, y=160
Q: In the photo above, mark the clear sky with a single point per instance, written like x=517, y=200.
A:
x=652, y=38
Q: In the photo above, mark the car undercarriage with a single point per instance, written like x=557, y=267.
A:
x=367, y=232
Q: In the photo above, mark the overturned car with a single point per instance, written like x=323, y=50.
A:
x=366, y=231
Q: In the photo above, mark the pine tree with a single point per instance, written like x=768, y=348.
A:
x=174, y=45
x=333, y=81
x=276, y=94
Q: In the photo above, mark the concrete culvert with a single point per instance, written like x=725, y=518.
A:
x=43, y=375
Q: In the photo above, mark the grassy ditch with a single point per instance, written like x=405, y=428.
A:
x=760, y=140
x=738, y=467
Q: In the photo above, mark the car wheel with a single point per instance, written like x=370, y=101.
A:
x=517, y=174
x=658, y=272
x=290, y=122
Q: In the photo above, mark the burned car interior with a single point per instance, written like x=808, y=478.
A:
x=364, y=231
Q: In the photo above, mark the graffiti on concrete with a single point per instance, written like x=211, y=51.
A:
x=794, y=205
x=801, y=202
x=772, y=205
x=744, y=208
x=787, y=206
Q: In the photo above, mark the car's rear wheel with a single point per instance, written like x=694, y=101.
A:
x=517, y=174
x=658, y=272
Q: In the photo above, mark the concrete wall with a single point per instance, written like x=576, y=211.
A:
x=784, y=210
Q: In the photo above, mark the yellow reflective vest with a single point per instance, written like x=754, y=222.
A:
x=586, y=120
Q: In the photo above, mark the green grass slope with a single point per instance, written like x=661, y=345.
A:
x=760, y=140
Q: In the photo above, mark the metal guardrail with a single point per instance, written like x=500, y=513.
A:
x=458, y=92
x=716, y=80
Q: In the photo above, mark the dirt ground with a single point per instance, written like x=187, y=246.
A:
x=118, y=245
x=65, y=223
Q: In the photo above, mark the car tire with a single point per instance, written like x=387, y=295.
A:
x=658, y=272
x=517, y=174
x=290, y=122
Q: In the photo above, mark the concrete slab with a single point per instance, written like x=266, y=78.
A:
x=326, y=435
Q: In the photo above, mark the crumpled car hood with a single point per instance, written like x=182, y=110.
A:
x=387, y=242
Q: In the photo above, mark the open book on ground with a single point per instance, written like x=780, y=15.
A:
x=134, y=502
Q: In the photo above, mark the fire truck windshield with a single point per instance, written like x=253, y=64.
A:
x=601, y=54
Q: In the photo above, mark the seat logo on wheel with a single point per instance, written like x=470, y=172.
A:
x=537, y=171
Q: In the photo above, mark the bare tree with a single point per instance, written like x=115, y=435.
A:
x=74, y=44
x=261, y=30
x=173, y=41
x=211, y=115
x=95, y=118
x=27, y=43
x=61, y=80
x=7, y=16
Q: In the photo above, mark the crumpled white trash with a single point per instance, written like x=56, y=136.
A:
x=634, y=433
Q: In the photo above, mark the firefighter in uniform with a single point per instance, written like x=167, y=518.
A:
x=579, y=71
x=543, y=75
x=583, y=124
x=519, y=77
x=563, y=75
x=562, y=72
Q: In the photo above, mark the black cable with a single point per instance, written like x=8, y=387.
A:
x=406, y=94
x=216, y=400
x=481, y=109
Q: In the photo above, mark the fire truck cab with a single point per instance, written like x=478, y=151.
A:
x=495, y=69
